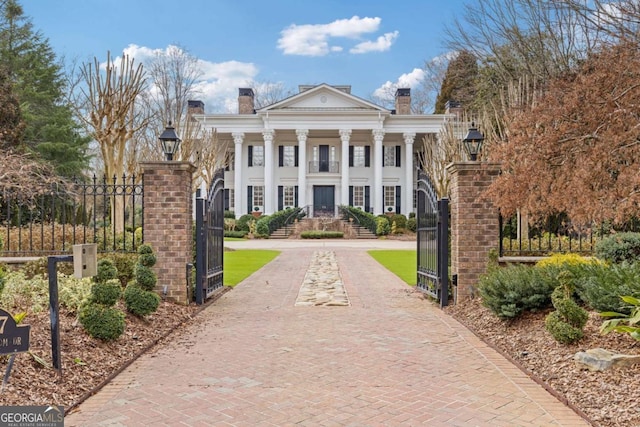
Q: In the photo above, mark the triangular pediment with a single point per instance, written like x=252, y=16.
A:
x=323, y=98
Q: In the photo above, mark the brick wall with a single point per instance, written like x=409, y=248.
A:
x=474, y=223
x=168, y=218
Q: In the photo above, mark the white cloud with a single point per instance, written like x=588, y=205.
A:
x=313, y=39
x=218, y=84
x=381, y=44
x=408, y=80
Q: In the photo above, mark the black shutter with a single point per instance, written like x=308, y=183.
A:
x=296, y=154
x=367, y=156
x=398, y=198
x=280, y=196
x=250, y=198
x=367, y=198
x=250, y=155
x=351, y=195
x=280, y=155
x=351, y=156
x=295, y=195
x=398, y=153
x=226, y=199
x=383, y=201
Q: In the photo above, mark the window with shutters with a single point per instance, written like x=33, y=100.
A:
x=358, y=195
x=289, y=155
x=389, y=155
x=358, y=156
x=258, y=195
x=258, y=155
x=289, y=195
x=389, y=196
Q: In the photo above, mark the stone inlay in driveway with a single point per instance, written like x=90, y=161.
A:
x=322, y=284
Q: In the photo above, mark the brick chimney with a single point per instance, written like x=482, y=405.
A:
x=454, y=107
x=195, y=107
x=246, y=101
x=403, y=101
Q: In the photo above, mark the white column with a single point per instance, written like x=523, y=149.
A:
x=270, y=192
x=378, y=136
x=302, y=166
x=407, y=199
x=345, y=135
x=238, y=138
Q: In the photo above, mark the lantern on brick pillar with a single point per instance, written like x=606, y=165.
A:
x=169, y=141
x=473, y=142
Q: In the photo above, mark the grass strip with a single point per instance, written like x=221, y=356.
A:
x=240, y=264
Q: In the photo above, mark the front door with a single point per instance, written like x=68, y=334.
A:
x=323, y=200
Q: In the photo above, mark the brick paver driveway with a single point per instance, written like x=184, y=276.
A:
x=391, y=358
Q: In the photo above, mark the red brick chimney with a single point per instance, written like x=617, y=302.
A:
x=246, y=101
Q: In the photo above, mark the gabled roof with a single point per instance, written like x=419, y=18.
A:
x=322, y=98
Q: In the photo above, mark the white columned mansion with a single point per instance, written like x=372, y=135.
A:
x=321, y=148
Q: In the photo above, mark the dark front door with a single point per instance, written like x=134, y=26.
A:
x=323, y=200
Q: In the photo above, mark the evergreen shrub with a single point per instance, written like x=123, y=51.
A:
x=567, y=322
x=102, y=322
x=106, y=293
x=600, y=286
x=618, y=248
x=139, y=301
x=509, y=291
x=321, y=235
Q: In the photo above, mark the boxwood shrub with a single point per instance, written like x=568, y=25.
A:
x=321, y=235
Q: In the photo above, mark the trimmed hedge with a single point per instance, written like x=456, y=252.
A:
x=236, y=234
x=321, y=235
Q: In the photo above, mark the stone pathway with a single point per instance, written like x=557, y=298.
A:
x=322, y=283
x=390, y=358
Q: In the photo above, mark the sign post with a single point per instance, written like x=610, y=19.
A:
x=14, y=339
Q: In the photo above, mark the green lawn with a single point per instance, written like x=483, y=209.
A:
x=402, y=263
x=240, y=264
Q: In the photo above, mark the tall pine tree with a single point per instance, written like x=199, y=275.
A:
x=459, y=82
x=40, y=88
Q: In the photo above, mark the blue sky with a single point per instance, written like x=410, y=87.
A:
x=368, y=44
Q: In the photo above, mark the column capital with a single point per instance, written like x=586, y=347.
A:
x=238, y=137
x=268, y=134
x=409, y=137
x=302, y=134
x=345, y=134
x=378, y=134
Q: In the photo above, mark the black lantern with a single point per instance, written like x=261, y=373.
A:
x=170, y=141
x=473, y=142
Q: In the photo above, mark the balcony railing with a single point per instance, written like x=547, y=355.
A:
x=324, y=166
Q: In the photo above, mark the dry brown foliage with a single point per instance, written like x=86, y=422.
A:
x=22, y=173
x=577, y=149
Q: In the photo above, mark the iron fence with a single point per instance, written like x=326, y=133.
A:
x=107, y=211
x=556, y=234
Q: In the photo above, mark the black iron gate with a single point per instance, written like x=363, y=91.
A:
x=210, y=239
x=433, y=236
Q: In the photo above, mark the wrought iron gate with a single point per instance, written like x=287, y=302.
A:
x=210, y=239
x=433, y=241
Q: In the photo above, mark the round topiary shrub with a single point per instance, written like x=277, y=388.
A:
x=400, y=220
x=145, y=277
x=107, y=293
x=412, y=224
x=139, y=301
x=106, y=271
x=382, y=226
x=262, y=226
x=105, y=323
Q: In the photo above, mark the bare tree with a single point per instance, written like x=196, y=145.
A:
x=267, y=93
x=105, y=103
x=439, y=150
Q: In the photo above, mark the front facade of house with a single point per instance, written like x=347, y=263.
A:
x=321, y=148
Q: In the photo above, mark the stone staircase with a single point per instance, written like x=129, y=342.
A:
x=351, y=231
x=283, y=232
